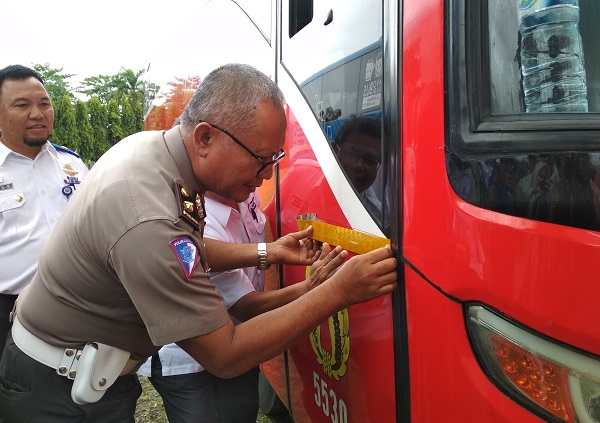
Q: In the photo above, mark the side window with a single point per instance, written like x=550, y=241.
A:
x=301, y=13
x=336, y=59
x=522, y=107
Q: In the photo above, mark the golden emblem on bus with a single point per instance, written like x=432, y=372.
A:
x=334, y=361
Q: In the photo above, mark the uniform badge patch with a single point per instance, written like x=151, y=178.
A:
x=187, y=253
x=71, y=173
x=4, y=187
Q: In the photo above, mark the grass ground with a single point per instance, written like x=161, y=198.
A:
x=150, y=407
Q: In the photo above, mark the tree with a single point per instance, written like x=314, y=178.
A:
x=125, y=83
x=138, y=113
x=98, y=86
x=116, y=108
x=99, y=122
x=65, y=132
x=56, y=82
x=139, y=90
x=85, y=132
x=127, y=117
x=114, y=131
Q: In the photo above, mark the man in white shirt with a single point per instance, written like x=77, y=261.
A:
x=190, y=393
x=358, y=148
x=36, y=180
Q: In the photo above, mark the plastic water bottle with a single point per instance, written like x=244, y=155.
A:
x=552, y=64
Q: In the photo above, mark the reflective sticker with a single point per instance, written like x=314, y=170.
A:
x=349, y=239
x=187, y=253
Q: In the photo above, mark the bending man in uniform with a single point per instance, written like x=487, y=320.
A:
x=190, y=393
x=36, y=180
x=113, y=283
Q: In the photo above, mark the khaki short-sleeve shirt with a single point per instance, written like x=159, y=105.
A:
x=121, y=266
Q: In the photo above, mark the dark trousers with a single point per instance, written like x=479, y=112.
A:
x=187, y=398
x=237, y=398
x=7, y=302
x=31, y=392
x=204, y=398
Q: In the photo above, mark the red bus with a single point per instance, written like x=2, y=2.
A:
x=492, y=207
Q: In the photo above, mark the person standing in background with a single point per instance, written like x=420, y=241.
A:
x=37, y=179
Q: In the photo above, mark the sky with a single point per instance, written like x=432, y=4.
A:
x=174, y=38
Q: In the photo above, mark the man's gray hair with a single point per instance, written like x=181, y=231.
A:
x=229, y=97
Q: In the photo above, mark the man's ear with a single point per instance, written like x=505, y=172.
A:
x=202, y=138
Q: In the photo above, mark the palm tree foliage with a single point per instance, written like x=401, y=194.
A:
x=92, y=117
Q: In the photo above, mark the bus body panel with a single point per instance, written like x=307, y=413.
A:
x=447, y=383
x=473, y=253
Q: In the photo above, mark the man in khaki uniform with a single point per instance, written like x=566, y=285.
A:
x=124, y=272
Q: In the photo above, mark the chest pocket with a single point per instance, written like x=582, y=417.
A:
x=14, y=221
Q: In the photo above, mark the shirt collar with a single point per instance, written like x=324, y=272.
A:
x=5, y=151
x=370, y=195
x=218, y=211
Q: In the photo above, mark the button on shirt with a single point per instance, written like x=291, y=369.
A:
x=31, y=201
x=224, y=224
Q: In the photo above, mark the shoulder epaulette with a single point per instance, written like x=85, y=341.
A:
x=65, y=150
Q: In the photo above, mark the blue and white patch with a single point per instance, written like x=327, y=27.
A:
x=4, y=187
x=187, y=253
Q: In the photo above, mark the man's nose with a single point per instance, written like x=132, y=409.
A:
x=359, y=164
x=35, y=113
x=267, y=173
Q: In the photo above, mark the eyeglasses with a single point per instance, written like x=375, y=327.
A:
x=264, y=165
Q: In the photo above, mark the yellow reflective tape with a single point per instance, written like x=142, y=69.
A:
x=349, y=239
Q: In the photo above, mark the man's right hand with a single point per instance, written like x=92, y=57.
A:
x=367, y=276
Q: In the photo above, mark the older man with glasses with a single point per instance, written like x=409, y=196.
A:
x=125, y=270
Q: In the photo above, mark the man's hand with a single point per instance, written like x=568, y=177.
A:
x=366, y=276
x=295, y=248
x=327, y=263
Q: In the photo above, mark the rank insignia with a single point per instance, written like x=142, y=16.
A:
x=200, y=206
x=187, y=254
x=191, y=206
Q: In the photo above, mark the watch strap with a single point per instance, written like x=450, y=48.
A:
x=262, y=256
